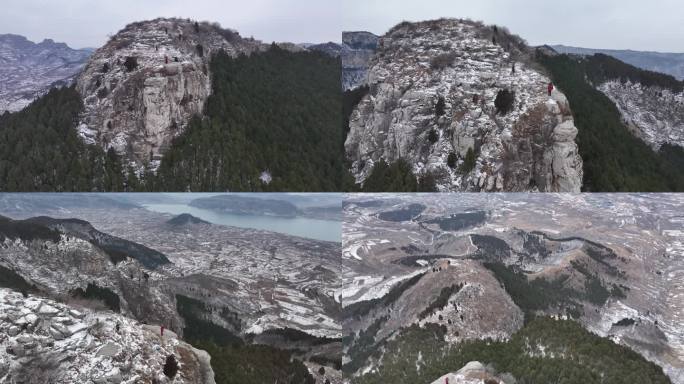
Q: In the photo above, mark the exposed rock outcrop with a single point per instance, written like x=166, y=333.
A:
x=653, y=114
x=357, y=50
x=76, y=259
x=141, y=88
x=433, y=87
x=474, y=373
x=45, y=341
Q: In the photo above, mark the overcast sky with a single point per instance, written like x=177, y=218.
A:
x=656, y=25
x=86, y=23
x=620, y=24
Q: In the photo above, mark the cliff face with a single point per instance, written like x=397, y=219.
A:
x=654, y=114
x=141, y=88
x=357, y=50
x=433, y=87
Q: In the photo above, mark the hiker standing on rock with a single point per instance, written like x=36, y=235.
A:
x=162, y=330
x=550, y=88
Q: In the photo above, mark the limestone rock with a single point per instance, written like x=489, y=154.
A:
x=141, y=88
x=104, y=354
x=654, y=114
x=455, y=62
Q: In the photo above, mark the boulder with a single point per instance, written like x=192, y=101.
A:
x=13, y=330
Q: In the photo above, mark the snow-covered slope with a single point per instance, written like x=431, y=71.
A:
x=28, y=69
x=44, y=341
x=259, y=286
x=463, y=66
x=631, y=241
x=654, y=114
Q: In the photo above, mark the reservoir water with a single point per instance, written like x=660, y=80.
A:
x=298, y=226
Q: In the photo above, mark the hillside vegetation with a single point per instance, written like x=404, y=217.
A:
x=277, y=112
x=234, y=361
x=544, y=351
x=614, y=159
x=40, y=150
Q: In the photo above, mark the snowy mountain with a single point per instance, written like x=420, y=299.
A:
x=649, y=99
x=654, y=114
x=142, y=87
x=434, y=274
x=433, y=96
x=29, y=69
x=249, y=286
x=144, y=84
x=42, y=340
x=669, y=63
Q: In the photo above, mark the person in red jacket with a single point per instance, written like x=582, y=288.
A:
x=162, y=330
x=550, y=87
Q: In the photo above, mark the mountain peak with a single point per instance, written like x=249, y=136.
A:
x=145, y=83
x=436, y=94
x=185, y=219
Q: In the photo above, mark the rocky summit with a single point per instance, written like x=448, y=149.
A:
x=29, y=69
x=432, y=99
x=43, y=341
x=141, y=88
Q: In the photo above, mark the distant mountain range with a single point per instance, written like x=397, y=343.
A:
x=30, y=69
x=285, y=206
x=329, y=48
x=664, y=62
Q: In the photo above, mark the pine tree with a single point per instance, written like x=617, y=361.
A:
x=468, y=162
x=170, y=367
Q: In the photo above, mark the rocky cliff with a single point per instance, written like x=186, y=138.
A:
x=70, y=260
x=141, y=88
x=357, y=50
x=474, y=373
x=65, y=257
x=433, y=87
x=654, y=114
x=43, y=341
x=29, y=69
